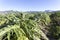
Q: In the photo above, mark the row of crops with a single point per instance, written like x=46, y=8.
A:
x=30, y=26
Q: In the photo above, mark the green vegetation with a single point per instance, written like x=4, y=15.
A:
x=30, y=25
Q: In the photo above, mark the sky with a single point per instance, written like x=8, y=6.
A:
x=29, y=5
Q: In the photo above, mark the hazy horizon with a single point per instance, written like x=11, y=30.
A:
x=29, y=5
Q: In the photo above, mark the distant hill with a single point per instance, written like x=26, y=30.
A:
x=10, y=11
